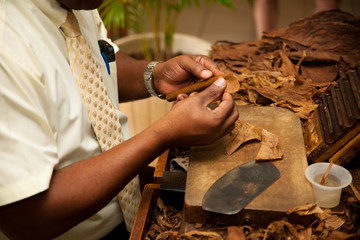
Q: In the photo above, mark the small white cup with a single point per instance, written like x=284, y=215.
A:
x=327, y=195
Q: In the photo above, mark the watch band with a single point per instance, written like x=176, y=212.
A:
x=148, y=80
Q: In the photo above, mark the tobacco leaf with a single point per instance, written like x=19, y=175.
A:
x=302, y=109
x=283, y=230
x=332, y=31
x=235, y=233
x=242, y=133
x=253, y=96
x=311, y=52
x=320, y=72
x=201, y=235
x=330, y=219
x=269, y=149
x=327, y=226
x=304, y=210
x=232, y=84
x=153, y=231
x=287, y=68
x=167, y=235
x=243, y=233
x=306, y=234
x=167, y=217
x=337, y=235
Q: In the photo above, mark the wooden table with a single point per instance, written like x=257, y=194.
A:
x=291, y=190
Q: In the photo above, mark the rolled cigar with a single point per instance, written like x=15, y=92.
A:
x=196, y=87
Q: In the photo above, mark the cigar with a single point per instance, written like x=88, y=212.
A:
x=197, y=87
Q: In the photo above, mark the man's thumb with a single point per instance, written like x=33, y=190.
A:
x=221, y=83
x=215, y=90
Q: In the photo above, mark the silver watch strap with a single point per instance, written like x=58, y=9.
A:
x=148, y=80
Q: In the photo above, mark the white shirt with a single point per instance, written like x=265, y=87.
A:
x=43, y=122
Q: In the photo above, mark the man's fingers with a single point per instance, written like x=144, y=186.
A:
x=201, y=66
x=181, y=96
x=205, y=74
x=208, y=64
x=193, y=94
x=228, y=108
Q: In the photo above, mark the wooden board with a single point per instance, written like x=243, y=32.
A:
x=207, y=164
x=318, y=151
x=143, y=217
x=160, y=166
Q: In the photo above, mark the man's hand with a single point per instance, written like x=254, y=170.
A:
x=192, y=122
x=183, y=71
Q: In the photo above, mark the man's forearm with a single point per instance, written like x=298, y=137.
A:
x=80, y=190
x=130, y=74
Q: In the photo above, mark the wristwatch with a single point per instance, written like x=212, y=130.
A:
x=148, y=80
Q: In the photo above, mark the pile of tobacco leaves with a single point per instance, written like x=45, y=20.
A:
x=328, y=224
x=340, y=223
x=293, y=66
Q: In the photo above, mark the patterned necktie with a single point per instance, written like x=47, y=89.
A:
x=102, y=114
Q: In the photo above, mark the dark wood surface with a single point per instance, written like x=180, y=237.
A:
x=142, y=220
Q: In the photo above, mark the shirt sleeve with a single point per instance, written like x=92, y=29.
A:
x=27, y=141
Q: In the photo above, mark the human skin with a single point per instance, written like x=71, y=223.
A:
x=80, y=4
x=78, y=191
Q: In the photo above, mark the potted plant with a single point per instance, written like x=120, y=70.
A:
x=160, y=16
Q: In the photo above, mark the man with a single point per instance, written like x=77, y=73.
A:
x=55, y=181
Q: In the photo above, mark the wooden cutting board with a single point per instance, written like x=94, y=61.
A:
x=209, y=163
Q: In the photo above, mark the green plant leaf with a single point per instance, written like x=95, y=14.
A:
x=161, y=15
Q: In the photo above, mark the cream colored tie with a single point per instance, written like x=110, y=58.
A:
x=102, y=114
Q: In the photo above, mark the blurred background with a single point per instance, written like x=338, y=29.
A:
x=216, y=22
x=210, y=21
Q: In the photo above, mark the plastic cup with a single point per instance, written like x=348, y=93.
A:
x=327, y=195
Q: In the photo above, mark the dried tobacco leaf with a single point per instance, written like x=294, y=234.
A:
x=232, y=84
x=201, y=235
x=287, y=68
x=242, y=233
x=304, y=210
x=242, y=132
x=283, y=230
x=235, y=233
x=355, y=191
x=306, y=234
x=302, y=109
x=167, y=217
x=318, y=49
x=334, y=222
x=253, y=96
x=168, y=235
x=330, y=219
x=332, y=32
x=337, y=235
x=269, y=149
x=322, y=72
x=153, y=232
